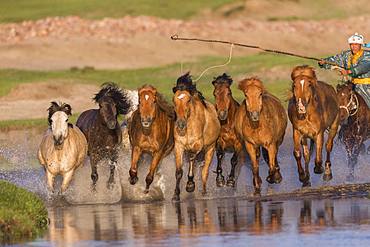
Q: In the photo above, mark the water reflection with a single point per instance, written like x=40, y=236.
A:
x=160, y=223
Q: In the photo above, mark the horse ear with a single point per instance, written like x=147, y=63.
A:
x=68, y=109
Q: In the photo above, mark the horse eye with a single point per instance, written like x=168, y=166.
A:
x=67, y=120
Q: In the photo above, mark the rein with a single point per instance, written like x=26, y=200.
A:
x=352, y=105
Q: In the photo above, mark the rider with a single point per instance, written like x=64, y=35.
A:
x=355, y=63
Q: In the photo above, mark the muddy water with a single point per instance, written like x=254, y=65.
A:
x=125, y=215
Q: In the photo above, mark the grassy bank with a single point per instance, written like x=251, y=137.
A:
x=15, y=11
x=22, y=214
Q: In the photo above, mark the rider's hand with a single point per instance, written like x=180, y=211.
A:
x=345, y=72
x=322, y=62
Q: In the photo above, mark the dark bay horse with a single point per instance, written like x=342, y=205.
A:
x=312, y=109
x=261, y=122
x=150, y=130
x=354, y=117
x=228, y=141
x=196, y=131
x=102, y=130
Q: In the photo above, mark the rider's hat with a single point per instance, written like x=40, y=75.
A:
x=356, y=39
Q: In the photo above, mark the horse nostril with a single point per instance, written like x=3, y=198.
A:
x=112, y=124
x=222, y=115
x=181, y=124
x=255, y=115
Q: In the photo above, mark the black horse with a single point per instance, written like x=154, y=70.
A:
x=102, y=130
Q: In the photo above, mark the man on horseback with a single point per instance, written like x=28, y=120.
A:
x=355, y=63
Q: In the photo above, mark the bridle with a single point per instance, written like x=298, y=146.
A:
x=351, y=106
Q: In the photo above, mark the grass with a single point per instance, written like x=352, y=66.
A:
x=22, y=214
x=20, y=10
x=164, y=78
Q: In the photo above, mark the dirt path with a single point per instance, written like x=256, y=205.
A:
x=135, y=42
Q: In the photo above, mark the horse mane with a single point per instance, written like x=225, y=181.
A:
x=185, y=83
x=303, y=70
x=111, y=90
x=252, y=81
x=222, y=79
x=165, y=106
x=54, y=107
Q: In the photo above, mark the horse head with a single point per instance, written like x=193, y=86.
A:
x=147, y=105
x=112, y=101
x=253, y=90
x=347, y=100
x=58, y=121
x=223, y=95
x=304, y=81
x=182, y=100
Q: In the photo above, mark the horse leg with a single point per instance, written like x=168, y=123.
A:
x=135, y=156
x=94, y=171
x=257, y=181
x=50, y=180
x=306, y=156
x=329, y=147
x=153, y=167
x=178, y=157
x=190, y=185
x=67, y=177
x=234, y=162
x=207, y=162
x=318, y=160
x=297, y=155
x=220, y=180
x=274, y=172
x=112, y=168
x=353, y=152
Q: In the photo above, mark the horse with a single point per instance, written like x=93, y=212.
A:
x=102, y=130
x=63, y=148
x=196, y=131
x=261, y=122
x=354, y=117
x=151, y=131
x=228, y=140
x=312, y=109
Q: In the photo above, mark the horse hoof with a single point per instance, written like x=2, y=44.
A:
x=93, y=188
x=220, y=181
x=176, y=198
x=303, y=178
x=257, y=192
x=318, y=169
x=230, y=182
x=146, y=191
x=190, y=186
x=277, y=177
x=327, y=177
x=270, y=179
x=306, y=184
x=133, y=180
x=110, y=185
x=204, y=193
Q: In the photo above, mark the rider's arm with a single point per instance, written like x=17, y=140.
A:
x=362, y=67
x=337, y=59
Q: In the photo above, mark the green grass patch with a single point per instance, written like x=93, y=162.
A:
x=22, y=214
x=20, y=10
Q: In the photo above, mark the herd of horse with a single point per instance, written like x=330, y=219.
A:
x=195, y=129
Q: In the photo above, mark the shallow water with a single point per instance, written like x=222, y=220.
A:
x=221, y=222
x=125, y=215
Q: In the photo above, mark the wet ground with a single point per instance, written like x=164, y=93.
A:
x=226, y=216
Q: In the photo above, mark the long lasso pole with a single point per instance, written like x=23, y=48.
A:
x=176, y=37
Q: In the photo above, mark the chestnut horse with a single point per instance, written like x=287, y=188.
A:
x=102, y=130
x=63, y=148
x=226, y=107
x=261, y=122
x=196, y=131
x=151, y=131
x=312, y=109
x=354, y=116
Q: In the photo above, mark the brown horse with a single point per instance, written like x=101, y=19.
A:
x=196, y=131
x=102, y=130
x=228, y=140
x=354, y=116
x=151, y=131
x=312, y=109
x=261, y=122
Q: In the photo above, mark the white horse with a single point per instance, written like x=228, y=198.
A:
x=63, y=147
x=134, y=98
